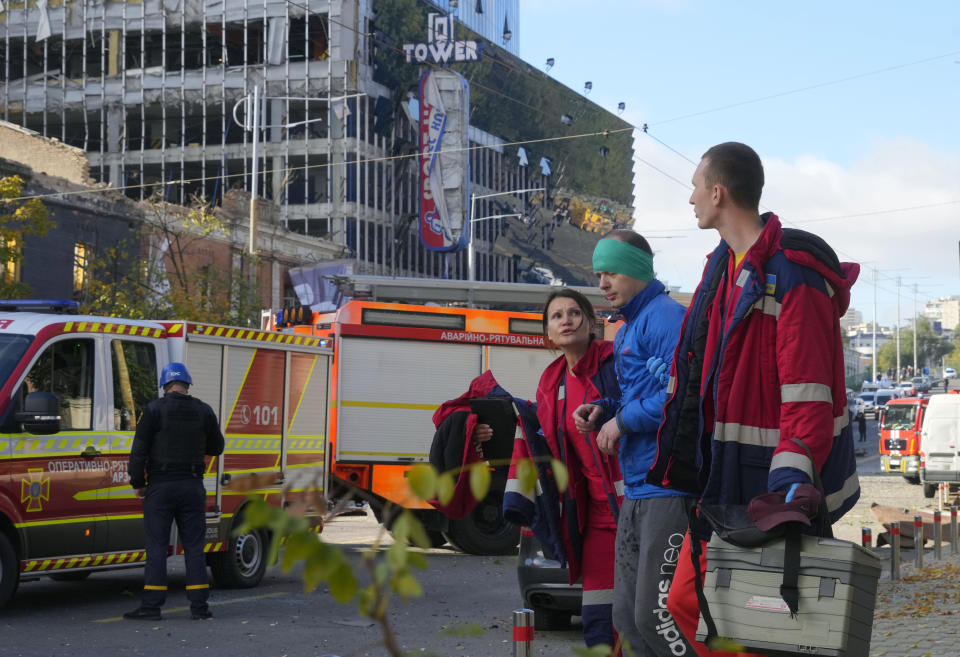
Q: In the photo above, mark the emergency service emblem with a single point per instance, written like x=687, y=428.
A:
x=35, y=490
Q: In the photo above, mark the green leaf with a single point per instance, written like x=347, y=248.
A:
x=560, y=474
x=479, y=480
x=381, y=573
x=273, y=552
x=422, y=479
x=445, y=486
x=418, y=535
x=527, y=476
x=298, y=524
x=401, y=526
x=397, y=555
x=342, y=583
x=417, y=560
x=320, y=564
x=299, y=547
x=257, y=513
x=365, y=599
x=406, y=585
x=314, y=571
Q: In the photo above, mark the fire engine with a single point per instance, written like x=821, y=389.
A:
x=900, y=424
x=66, y=505
x=395, y=362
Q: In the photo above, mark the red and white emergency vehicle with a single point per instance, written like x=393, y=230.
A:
x=66, y=505
x=396, y=363
x=900, y=423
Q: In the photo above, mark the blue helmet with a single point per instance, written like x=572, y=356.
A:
x=175, y=372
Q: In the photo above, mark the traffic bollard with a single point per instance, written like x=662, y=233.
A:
x=937, y=535
x=895, y=551
x=918, y=542
x=866, y=539
x=953, y=530
x=523, y=633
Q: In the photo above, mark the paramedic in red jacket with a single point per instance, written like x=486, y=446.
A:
x=584, y=371
x=759, y=363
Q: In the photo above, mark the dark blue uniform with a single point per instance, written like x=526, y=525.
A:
x=172, y=438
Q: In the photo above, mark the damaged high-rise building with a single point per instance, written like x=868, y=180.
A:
x=158, y=94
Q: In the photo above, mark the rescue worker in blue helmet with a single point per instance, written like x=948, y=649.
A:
x=166, y=469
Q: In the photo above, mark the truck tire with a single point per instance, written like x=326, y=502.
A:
x=244, y=562
x=929, y=490
x=437, y=539
x=9, y=570
x=485, y=531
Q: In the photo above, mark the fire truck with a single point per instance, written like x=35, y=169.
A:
x=396, y=360
x=900, y=423
x=72, y=389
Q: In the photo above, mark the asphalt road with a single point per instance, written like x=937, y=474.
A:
x=466, y=611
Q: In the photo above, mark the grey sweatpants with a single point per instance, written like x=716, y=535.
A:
x=649, y=535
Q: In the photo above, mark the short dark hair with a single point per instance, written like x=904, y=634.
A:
x=631, y=237
x=737, y=167
x=589, y=315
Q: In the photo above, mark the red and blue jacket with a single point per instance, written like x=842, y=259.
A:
x=776, y=373
x=546, y=510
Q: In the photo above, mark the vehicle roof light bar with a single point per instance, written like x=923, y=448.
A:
x=55, y=306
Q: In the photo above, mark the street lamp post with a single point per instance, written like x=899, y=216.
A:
x=471, y=256
x=255, y=126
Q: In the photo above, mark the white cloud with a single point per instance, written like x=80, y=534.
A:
x=919, y=245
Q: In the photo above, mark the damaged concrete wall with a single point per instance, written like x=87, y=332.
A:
x=49, y=156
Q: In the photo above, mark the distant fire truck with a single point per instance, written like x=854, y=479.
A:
x=900, y=423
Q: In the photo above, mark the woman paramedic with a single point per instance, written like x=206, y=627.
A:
x=583, y=372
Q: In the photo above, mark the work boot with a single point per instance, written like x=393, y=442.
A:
x=143, y=613
x=201, y=614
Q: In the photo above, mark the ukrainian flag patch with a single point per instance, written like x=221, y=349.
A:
x=771, y=284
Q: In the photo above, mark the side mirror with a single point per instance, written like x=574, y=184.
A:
x=41, y=414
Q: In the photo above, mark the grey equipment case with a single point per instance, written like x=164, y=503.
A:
x=837, y=584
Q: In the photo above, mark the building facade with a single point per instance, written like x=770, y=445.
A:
x=945, y=310
x=160, y=96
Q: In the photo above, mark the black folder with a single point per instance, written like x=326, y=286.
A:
x=499, y=414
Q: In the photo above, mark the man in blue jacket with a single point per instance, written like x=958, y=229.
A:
x=653, y=520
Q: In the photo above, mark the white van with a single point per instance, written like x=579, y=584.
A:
x=940, y=443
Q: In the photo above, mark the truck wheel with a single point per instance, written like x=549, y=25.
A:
x=929, y=490
x=437, y=539
x=9, y=570
x=484, y=531
x=244, y=562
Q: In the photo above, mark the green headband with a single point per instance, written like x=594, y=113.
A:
x=618, y=257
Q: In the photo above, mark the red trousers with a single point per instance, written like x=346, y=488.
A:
x=683, y=605
x=597, y=574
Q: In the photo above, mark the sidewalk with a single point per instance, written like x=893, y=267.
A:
x=919, y=615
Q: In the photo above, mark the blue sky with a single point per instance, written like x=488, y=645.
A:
x=856, y=112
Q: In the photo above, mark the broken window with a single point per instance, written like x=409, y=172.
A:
x=307, y=39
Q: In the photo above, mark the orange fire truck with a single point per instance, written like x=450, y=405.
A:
x=66, y=505
x=900, y=424
x=395, y=363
